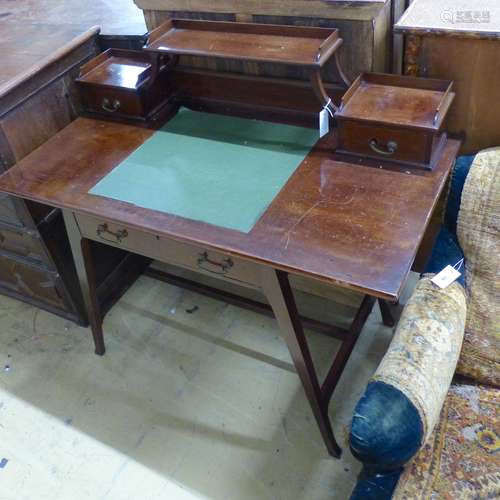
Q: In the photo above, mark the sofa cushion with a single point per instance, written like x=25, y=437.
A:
x=461, y=460
x=478, y=231
x=422, y=356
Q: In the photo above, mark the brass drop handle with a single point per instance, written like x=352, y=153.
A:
x=103, y=229
x=392, y=147
x=110, y=107
x=224, y=265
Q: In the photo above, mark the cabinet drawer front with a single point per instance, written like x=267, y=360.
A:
x=112, y=102
x=8, y=211
x=174, y=252
x=30, y=281
x=24, y=243
x=384, y=143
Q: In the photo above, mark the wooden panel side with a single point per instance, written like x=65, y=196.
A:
x=474, y=66
x=30, y=125
x=398, y=8
x=382, y=40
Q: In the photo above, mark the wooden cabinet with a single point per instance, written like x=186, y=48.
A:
x=38, y=98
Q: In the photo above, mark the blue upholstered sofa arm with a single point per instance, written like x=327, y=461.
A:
x=402, y=402
x=394, y=416
x=386, y=432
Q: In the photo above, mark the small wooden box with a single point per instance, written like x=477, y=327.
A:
x=394, y=118
x=117, y=83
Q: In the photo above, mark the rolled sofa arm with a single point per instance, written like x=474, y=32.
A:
x=402, y=402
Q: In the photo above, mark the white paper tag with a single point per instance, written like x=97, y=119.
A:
x=446, y=277
x=324, y=122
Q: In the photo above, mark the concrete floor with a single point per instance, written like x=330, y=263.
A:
x=182, y=406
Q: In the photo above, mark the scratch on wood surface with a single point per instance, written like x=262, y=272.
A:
x=298, y=221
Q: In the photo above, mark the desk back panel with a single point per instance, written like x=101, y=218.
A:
x=211, y=168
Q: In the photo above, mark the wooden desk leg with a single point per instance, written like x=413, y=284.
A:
x=386, y=313
x=82, y=255
x=277, y=289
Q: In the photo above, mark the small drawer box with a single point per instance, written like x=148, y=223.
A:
x=123, y=83
x=394, y=118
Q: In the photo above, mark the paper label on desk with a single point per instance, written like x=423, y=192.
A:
x=445, y=277
x=324, y=123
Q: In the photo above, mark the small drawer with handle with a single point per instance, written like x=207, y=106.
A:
x=394, y=118
x=168, y=250
x=122, y=83
x=384, y=143
x=113, y=102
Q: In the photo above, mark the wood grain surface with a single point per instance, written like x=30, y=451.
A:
x=358, y=226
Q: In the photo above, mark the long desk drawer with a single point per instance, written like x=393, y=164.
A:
x=167, y=250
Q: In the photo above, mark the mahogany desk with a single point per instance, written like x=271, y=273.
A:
x=355, y=226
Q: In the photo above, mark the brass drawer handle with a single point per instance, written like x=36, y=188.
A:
x=110, y=107
x=392, y=147
x=225, y=265
x=118, y=236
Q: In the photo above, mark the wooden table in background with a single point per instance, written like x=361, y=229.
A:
x=459, y=40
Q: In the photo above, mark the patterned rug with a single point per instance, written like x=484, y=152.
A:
x=461, y=460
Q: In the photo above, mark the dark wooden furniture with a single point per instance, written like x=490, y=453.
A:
x=395, y=118
x=462, y=44
x=37, y=99
x=353, y=226
x=118, y=83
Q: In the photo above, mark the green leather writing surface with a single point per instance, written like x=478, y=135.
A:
x=212, y=168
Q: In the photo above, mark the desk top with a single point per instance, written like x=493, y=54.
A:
x=116, y=18
x=219, y=169
x=33, y=32
x=353, y=225
x=460, y=18
x=48, y=43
